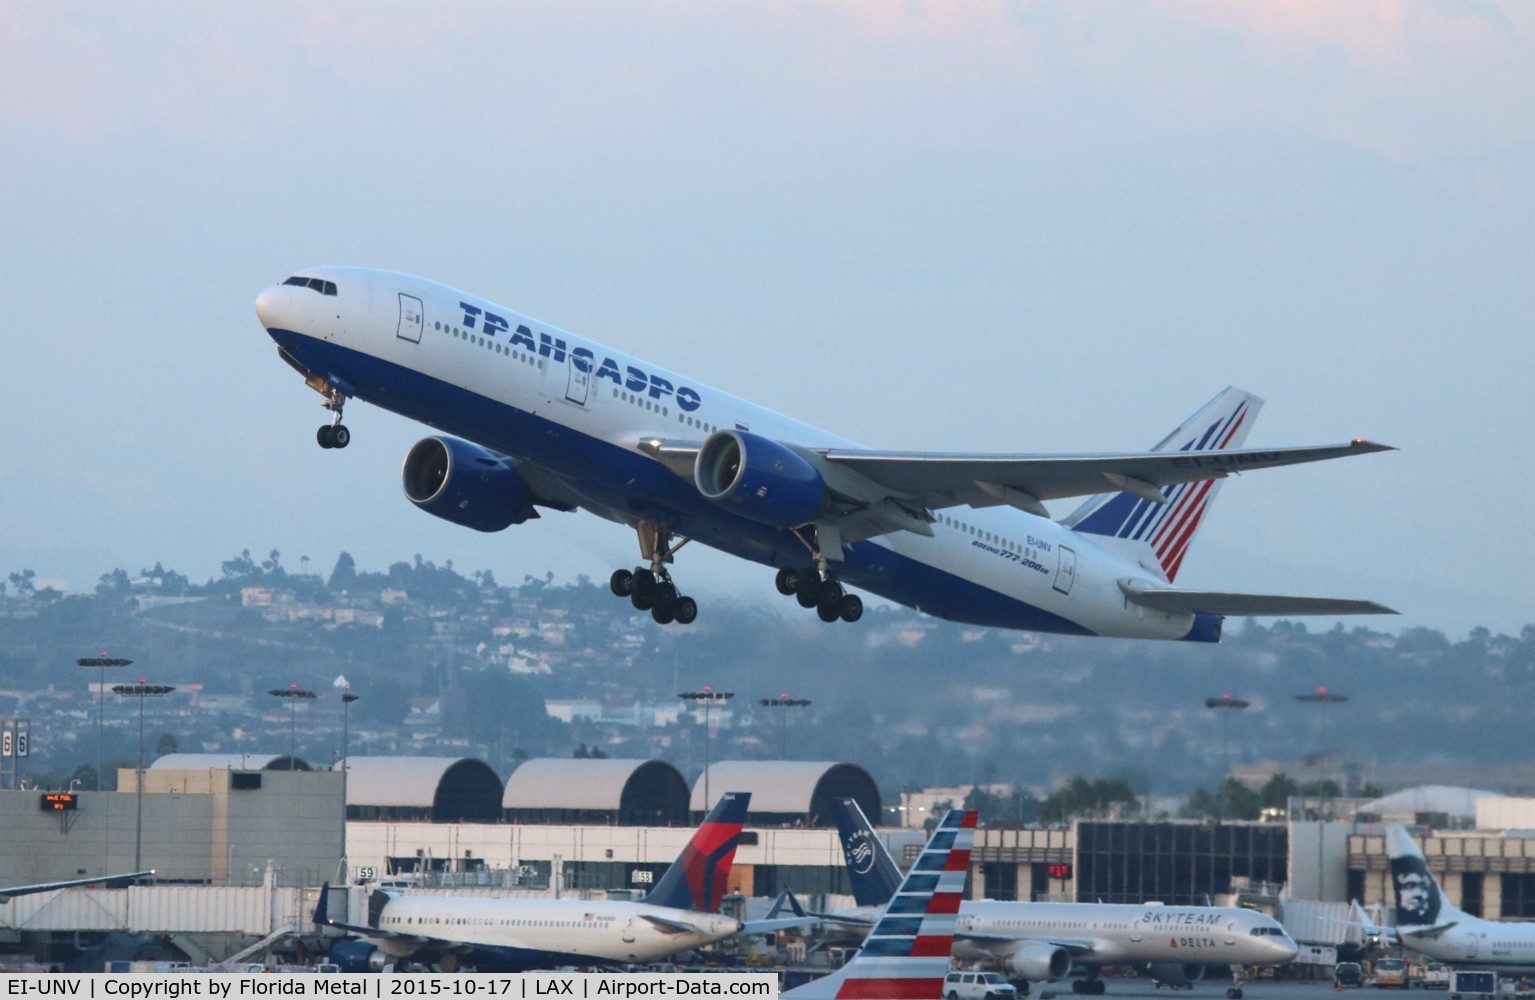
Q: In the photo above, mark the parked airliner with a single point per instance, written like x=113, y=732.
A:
x=906, y=955
x=534, y=417
x=1432, y=926
x=511, y=935
x=1042, y=942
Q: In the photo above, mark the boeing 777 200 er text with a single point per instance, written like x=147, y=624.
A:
x=535, y=417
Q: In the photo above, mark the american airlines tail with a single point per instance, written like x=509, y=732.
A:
x=1420, y=904
x=907, y=953
x=696, y=880
x=1155, y=527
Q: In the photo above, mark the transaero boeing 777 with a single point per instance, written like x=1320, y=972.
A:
x=533, y=417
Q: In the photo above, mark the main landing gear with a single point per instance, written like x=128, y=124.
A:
x=651, y=588
x=1091, y=987
x=333, y=434
x=814, y=589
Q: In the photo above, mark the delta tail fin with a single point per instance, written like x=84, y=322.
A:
x=1420, y=904
x=1157, y=533
x=870, y=867
x=906, y=955
x=696, y=880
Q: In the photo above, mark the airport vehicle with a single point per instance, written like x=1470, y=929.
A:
x=1480, y=983
x=1428, y=924
x=1042, y=942
x=977, y=986
x=1390, y=974
x=906, y=956
x=514, y=935
x=1347, y=974
x=531, y=417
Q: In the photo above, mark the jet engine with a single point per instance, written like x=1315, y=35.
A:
x=360, y=956
x=1040, y=963
x=759, y=478
x=1177, y=974
x=465, y=484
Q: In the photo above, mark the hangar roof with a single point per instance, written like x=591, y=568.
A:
x=794, y=787
x=405, y=781
x=574, y=783
x=231, y=761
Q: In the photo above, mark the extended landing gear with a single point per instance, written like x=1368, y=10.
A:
x=333, y=434
x=812, y=589
x=651, y=589
x=1234, y=991
x=1090, y=987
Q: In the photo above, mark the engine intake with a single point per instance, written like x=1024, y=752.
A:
x=761, y=479
x=1040, y=963
x=463, y=483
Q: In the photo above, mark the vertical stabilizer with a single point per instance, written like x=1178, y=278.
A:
x=870, y=867
x=907, y=953
x=1419, y=901
x=696, y=880
x=1158, y=535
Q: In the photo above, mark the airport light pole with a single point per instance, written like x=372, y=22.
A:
x=142, y=691
x=101, y=663
x=785, y=702
x=1321, y=696
x=294, y=694
x=1225, y=705
x=347, y=697
x=709, y=697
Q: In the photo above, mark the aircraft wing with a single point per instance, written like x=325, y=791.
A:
x=944, y=480
x=1003, y=943
x=1216, y=602
x=103, y=880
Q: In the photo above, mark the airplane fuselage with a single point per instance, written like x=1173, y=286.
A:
x=1486, y=944
x=577, y=416
x=511, y=933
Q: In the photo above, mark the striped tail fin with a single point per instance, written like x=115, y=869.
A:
x=696, y=880
x=907, y=953
x=1158, y=535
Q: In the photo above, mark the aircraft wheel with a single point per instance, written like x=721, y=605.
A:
x=685, y=610
x=1078, y=986
x=1100, y=987
x=785, y=581
x=642, y=588
x=664, y=594
x=851, y=607
x=662, y=614
x=340, y=437
x=621, y=583
x=826, y=612
x=323, y=436
x=807, y=587
x=1234, y=994
x=830, y=592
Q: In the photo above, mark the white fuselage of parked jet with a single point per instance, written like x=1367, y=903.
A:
x=588, y=426
x=528, y=933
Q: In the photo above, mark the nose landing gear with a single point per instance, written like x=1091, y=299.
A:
x=333, y=434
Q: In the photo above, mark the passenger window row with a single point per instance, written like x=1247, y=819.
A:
x=486, y=342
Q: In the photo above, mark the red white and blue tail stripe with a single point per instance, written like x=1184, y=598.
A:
x=907, y=953
x=1162, y=532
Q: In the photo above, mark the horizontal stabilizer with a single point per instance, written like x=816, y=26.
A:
x=1216, y=602
x=666, y=926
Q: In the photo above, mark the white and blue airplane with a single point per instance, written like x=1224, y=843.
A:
x=534, y=417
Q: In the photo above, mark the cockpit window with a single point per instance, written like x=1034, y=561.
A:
x=318, y=284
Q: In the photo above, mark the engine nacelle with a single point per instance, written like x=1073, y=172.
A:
x=759, y=478
x=360, y=956
x=463, y=483
x=1177, y=974
x=1040, y=963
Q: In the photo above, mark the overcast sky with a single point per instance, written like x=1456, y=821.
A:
x=1014, y=227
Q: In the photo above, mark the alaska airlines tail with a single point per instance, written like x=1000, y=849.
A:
x=870, y=867
x=907, y=953
x=696, y=880
x=1157, y=533
x=1420, y=905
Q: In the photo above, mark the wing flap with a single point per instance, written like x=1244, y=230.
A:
x=1216, y=602
x=942, y=479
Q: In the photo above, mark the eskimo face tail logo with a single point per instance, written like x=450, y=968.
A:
x=1417, y=894
x=860, y=853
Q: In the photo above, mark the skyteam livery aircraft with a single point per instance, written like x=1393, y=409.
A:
x=1042, y=942
x=534, y=417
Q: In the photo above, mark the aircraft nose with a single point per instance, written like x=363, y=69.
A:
x=271, y=304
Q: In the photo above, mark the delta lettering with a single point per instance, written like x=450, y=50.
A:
x=581, y=358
